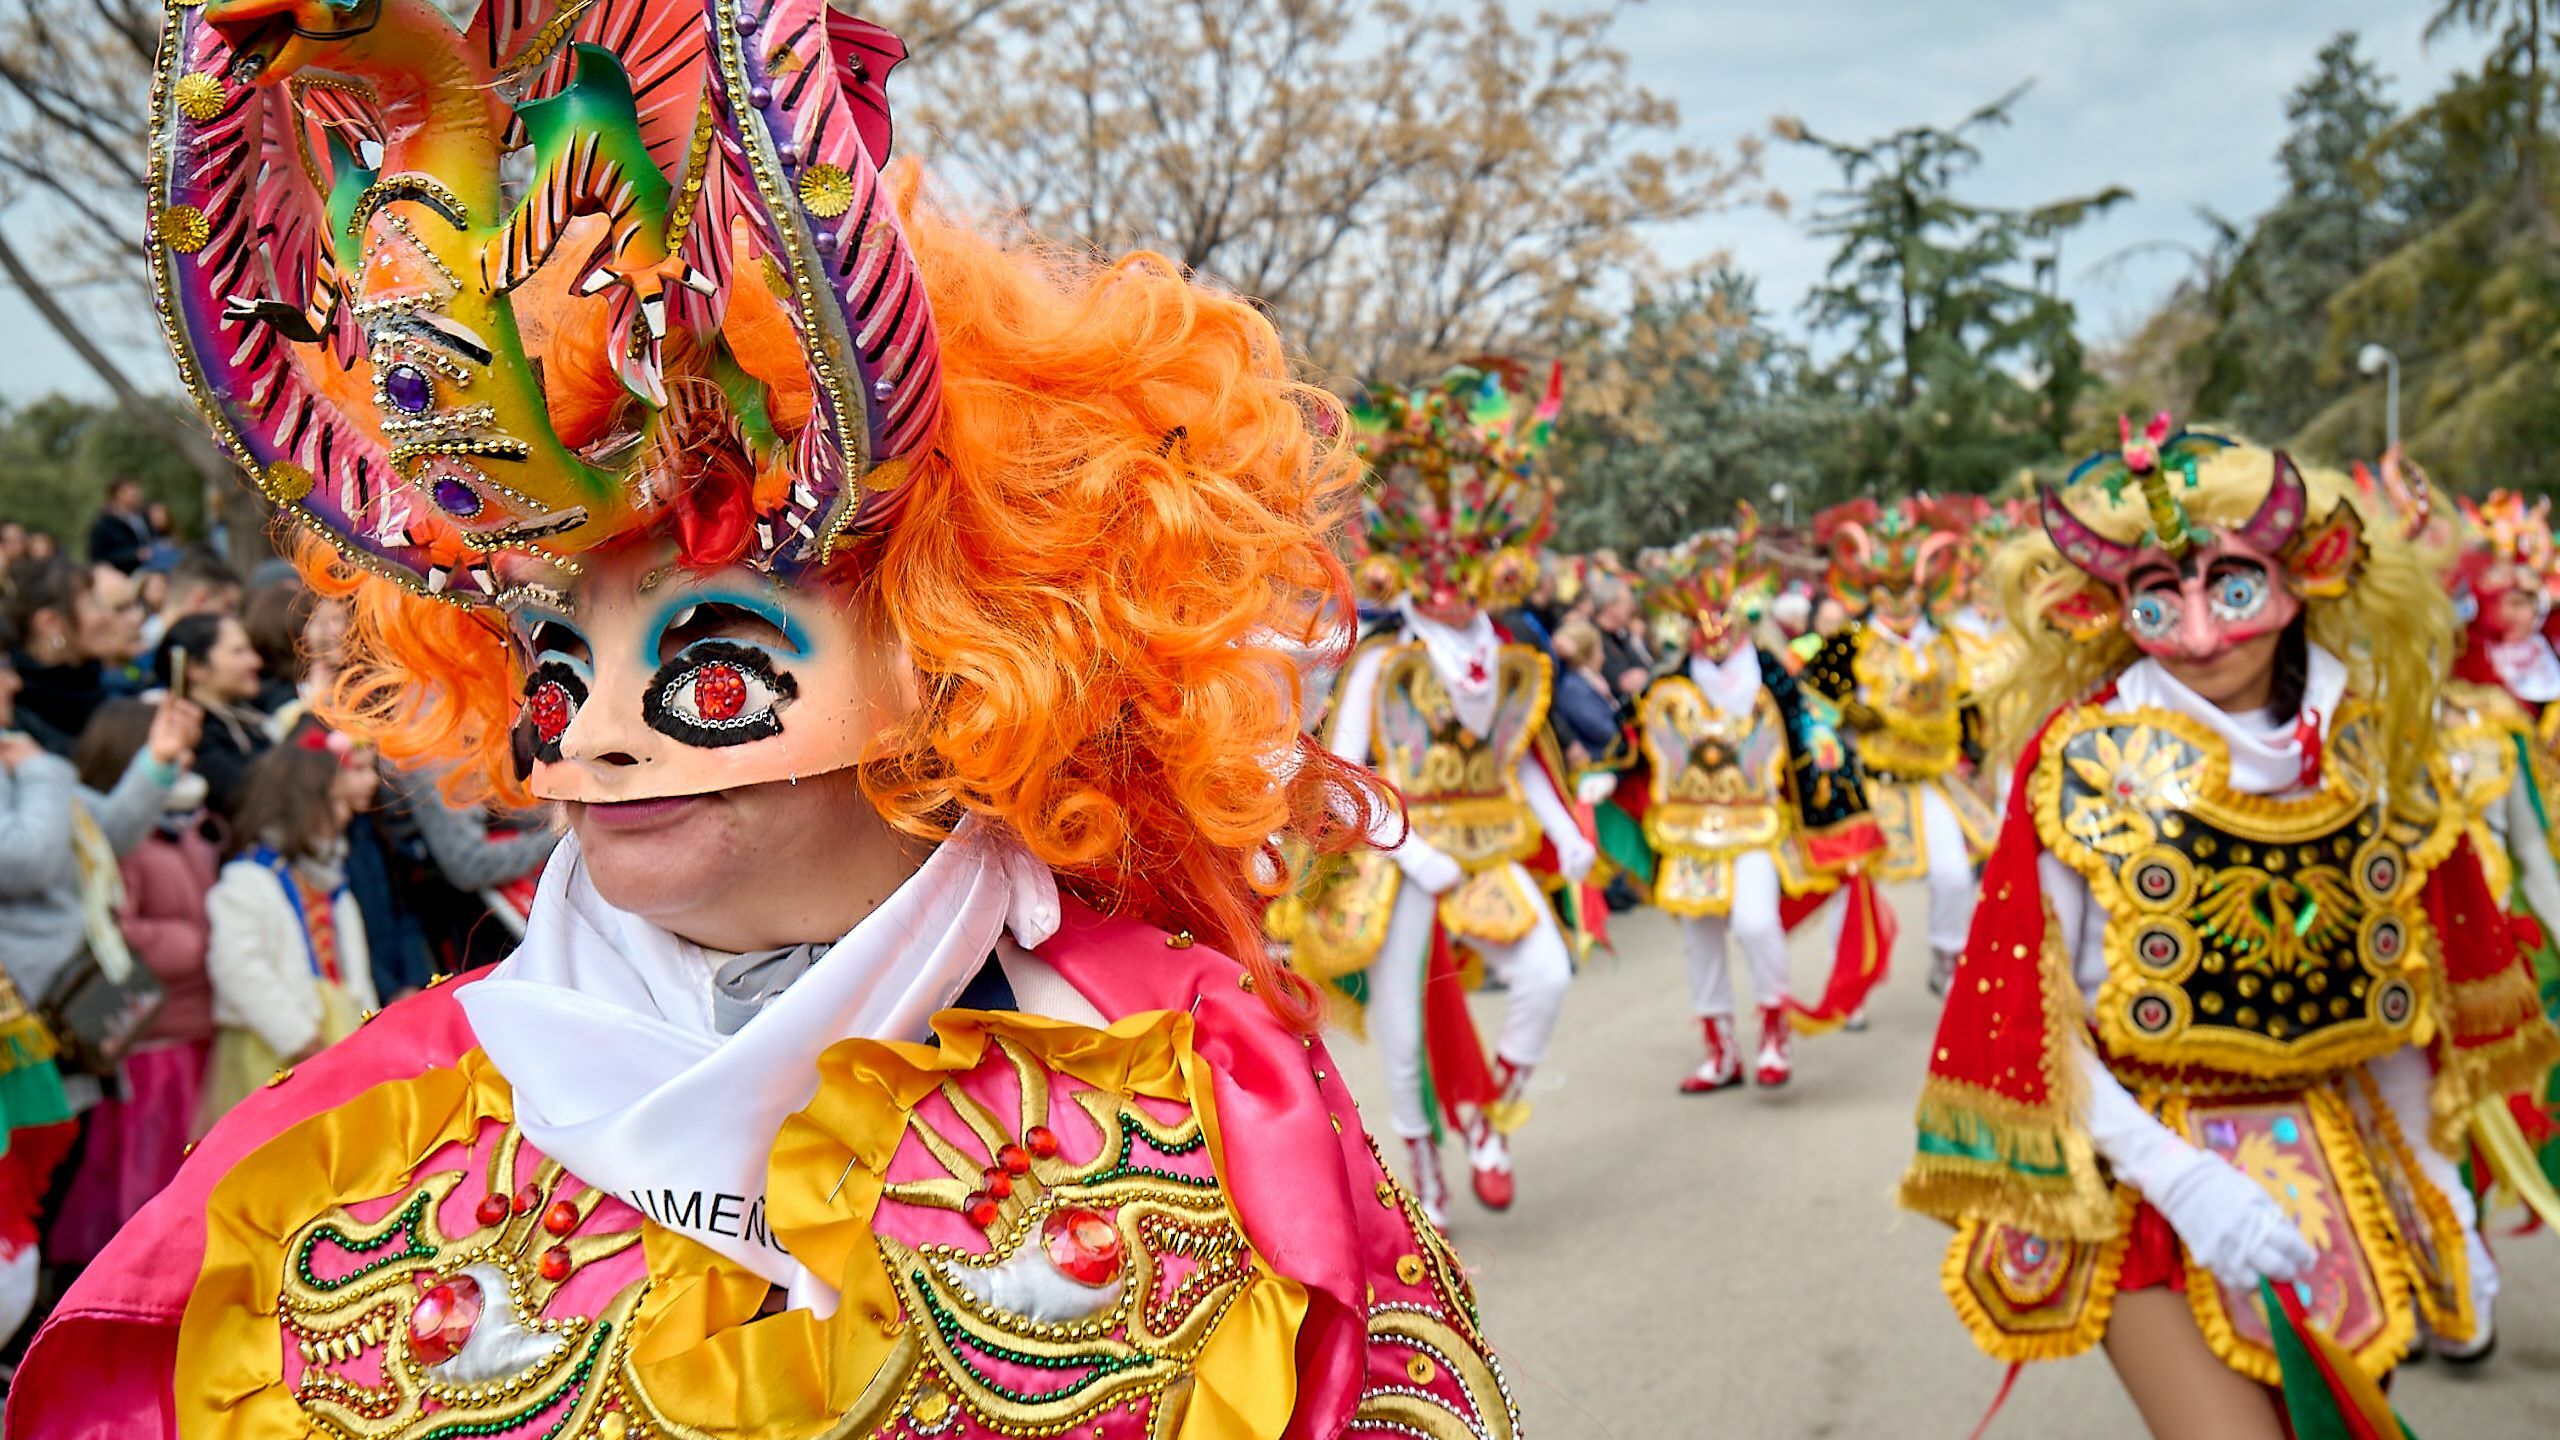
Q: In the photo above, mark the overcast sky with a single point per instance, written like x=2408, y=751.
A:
x=2182, y=101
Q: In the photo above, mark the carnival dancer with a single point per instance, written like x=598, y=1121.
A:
x=1452, y=712
x=1754, y=807
x=891, y=1049
x=1989, y=648
x=2236, y=991
x=1900, y=682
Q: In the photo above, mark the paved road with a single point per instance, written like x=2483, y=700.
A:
x=1733, y=1266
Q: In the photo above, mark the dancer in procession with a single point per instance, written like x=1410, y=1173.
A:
x=1900, y=682
x=1453, y=714
x=891, y=1048
x=2237, y=994
x=1754, y=807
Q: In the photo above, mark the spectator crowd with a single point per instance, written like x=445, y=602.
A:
x=201, y=883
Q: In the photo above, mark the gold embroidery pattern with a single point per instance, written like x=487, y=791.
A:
x=990, y=1338
x=2270, y=937
x=1461, y=789
x=351, y=1286
x=1923, y=732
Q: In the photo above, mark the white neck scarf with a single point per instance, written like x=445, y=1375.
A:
x=2266, y=751
x=2529, y=668
x=1467, y=660
x=603, y=1024
x=1731, y=684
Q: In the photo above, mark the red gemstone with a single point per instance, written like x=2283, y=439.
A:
x=561, y=1218
x=980, y=1207
x=525, y=1201
x=1042, y=1140
x=493, y=1209
x=719, y=692
x=1014, y=1159
x=554, y=1264
x=1084, y=1246
x=548, y=707
x=443, y=1319
x=998, y=1184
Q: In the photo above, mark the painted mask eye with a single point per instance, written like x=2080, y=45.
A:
x=716, y=693
x=2151, y=616
x=552, y=695
x=2239, y=595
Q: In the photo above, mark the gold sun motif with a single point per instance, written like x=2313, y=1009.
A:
x=2290, y=1182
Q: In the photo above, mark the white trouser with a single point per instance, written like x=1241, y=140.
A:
x=1535, y=969
x=1754, y=924
x=1951, y=885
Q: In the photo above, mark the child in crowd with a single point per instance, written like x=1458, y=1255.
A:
x=291, y=971
x=137, y=1137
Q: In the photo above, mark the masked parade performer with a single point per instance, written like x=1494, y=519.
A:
x=2236, y=990
x=892, y=1049
x=1900, y=682
x=1453, y=713
x=1755, y=810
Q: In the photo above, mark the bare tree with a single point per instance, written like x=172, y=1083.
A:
x=1399, y=184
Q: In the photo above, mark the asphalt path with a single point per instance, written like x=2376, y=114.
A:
x=1732, y=1265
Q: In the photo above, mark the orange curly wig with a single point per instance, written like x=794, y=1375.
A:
x=1128, y=498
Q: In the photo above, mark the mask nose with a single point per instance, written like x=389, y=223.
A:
x=2199, y=635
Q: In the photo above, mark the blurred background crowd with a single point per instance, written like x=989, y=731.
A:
x=166, y=791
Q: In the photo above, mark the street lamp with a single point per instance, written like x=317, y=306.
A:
x=2373, y=358
x=1785, y=499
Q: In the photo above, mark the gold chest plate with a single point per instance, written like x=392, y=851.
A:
x=2272, y=937
x=1718, y=779
x=1918, y=692
x=1461, y=789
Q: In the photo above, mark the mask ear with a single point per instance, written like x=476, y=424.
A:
x=2323, y=557
x=2086, y=614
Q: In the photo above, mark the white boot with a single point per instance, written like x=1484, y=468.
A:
x=1430, y=1190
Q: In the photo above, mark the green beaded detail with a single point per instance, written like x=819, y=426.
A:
x=408, y=1225
x=1125, y=1167
x=576, y=1380
x=948, y=1324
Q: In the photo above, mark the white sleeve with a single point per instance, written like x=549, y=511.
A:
x=1563, y=831
x=2537, y=875
x=355, y=953
x=1355, y=704
x=2081, y=926
x=255, y=959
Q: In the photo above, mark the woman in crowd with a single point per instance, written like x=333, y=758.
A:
x=136, y=1137
x=291, y=972
x=276, y=616
x=208, y=659
x=78, y=627
x=2236, y=987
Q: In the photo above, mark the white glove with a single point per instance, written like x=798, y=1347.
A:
x=1596, y=786
x=2230, y=1224
x=1575, y=857
x=1427, y=865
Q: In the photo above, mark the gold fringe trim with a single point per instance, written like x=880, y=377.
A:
x=2436, y=1214
x=2096, y=1309
x=24, y=1041
x=2515, y=1063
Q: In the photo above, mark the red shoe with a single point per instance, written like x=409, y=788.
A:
x=1430, y=1189
x=1723, y=1066
x=1489, y=1156
x=1774, y=1064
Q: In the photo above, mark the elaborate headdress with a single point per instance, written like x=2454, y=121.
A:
x=1994, y=524
x=1912, y=542
x=1709, y=580
x=458, y=297
x=2162, y=463
x=2509, y=545
x=1459, y=499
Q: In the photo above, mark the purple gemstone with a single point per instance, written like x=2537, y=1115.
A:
x=883, y=388
x=759, y=96
x=789, y=152
x=746, y=21
x=407, y=387
x=456, y=498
